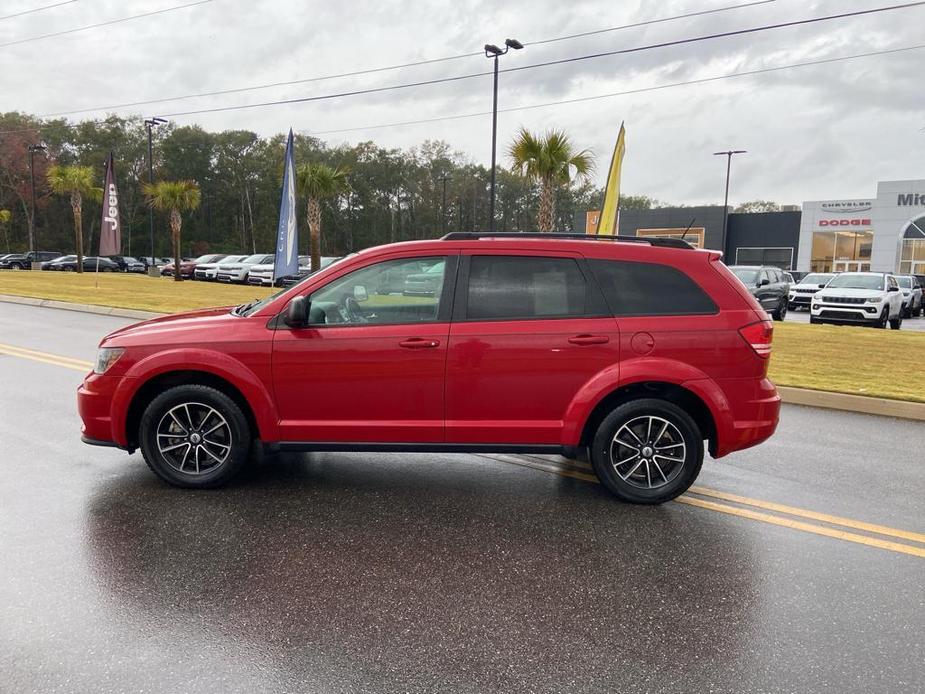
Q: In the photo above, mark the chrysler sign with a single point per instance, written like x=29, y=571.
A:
x=840, y=207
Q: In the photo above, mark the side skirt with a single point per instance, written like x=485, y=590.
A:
x=304, y=446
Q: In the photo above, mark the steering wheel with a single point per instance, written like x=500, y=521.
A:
x=350, y=309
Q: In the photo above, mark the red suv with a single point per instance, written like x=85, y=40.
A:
x=637, y=350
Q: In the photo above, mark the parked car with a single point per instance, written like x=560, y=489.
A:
x=157, y=262
x=68, y=263
x=638, y=351
x=188, y=267
x=866, y=298
x=206, y=271
x=131, y=264
x=797, y=276
x=912, y=295
x=768, y=285
x=424, y=283
x=801, y=293
x=23, y=261
x=263, y=274
x=238, y=271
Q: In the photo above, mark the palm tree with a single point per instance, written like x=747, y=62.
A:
x=173, y=197
x=76, y=182
x=550, y=161
x=5, y=217
x=316, y=182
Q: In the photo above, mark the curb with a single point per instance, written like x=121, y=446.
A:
x=82, y=308
x=861, y=404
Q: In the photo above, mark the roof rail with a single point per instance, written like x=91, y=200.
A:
x=663, y=241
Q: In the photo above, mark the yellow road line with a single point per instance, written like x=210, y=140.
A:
x=813, y=515
x=823, y=530
x=805, y=527
x=46, y=358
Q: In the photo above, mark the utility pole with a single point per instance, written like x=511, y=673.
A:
x=32, y=150
x=149, y=124
x=444, y=178
x=728, y=154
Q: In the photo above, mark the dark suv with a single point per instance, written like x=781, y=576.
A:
x=637, y=350
x=23, y=261
x=768, y=284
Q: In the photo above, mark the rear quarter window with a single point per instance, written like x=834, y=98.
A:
x=649, y=289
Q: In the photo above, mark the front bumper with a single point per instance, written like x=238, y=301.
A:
x=94, y=405
x=841, y=313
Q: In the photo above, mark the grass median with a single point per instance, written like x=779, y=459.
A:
x=859, y=361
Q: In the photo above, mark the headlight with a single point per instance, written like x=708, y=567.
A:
x=106, y=357
x=874, y=299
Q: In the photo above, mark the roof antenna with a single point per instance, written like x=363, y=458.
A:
x=693, y=219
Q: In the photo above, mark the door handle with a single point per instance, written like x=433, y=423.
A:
x=589, y=340
x=419, y=343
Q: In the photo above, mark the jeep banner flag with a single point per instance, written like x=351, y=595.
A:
x=286, y=262
x=110, y=227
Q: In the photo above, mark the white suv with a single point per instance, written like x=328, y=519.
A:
x=801, y=293
x=237, y=272
x=912, y=295
x=867, y=298
x=206, y=271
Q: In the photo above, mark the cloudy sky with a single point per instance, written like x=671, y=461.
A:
x=822, y=131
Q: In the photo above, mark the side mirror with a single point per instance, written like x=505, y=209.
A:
x=297, y=312
x=821, y=286
x=360, y=293
x=893, y=289
x=764, y=282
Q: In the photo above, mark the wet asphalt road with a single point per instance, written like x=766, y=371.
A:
x=388, y=572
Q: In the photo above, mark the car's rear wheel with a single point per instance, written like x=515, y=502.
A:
x=647, y=451
x=781, y=311
x=194, y=436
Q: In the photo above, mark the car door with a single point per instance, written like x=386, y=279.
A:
x=529, y=330
x=766, y=291
x=370, y=365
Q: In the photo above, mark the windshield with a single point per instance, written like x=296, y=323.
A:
x=747, y=275
x=852, y=281
x=817, y=278
x=254, y=259
x=205, y=258
x=905, y=282
x=254, y=306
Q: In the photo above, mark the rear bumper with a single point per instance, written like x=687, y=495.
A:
x=754, y=413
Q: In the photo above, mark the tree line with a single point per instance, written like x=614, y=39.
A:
x=391, y=194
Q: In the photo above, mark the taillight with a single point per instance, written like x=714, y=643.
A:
x=758, y=336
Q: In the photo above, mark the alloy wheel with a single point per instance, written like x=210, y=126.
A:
x=194, y=438
x=648, y=452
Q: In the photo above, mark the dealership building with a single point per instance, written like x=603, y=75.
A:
x=885, y=233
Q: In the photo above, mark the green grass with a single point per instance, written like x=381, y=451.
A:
x=860, y=361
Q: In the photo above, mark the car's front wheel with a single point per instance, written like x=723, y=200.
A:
x=194, y=436
x=647, y=451
x=896, y=323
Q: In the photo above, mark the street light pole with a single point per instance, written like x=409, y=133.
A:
x=492, y=51
x=32, y=150
x=443, y=178
x=149, y=124
x=728, y=154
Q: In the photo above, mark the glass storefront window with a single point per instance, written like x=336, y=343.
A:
x=912, y=258
x=841, y=251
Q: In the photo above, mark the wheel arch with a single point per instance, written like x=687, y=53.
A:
x=157, y=384
x=674, y=393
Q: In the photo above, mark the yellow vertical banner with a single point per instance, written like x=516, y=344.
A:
x=607, y=223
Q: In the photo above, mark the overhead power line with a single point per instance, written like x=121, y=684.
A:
x=399, y=66
x=670, y=85
x=36, y=9
x=621, y=51
x=596, y=97
x=103, y=24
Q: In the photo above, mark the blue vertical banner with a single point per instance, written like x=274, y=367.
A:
x=286, y=262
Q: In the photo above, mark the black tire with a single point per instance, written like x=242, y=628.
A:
x=906, y=312
x=814, y=321
x=235, y=435
x=781, y=312
x=884, y=317
x=634, y=415
x=896, y=323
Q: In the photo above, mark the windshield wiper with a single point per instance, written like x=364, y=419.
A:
x=244, y=308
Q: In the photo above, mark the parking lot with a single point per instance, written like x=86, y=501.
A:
x=362, y=572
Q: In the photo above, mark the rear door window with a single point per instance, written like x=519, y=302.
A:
x=649, y=289
x=524, y=287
